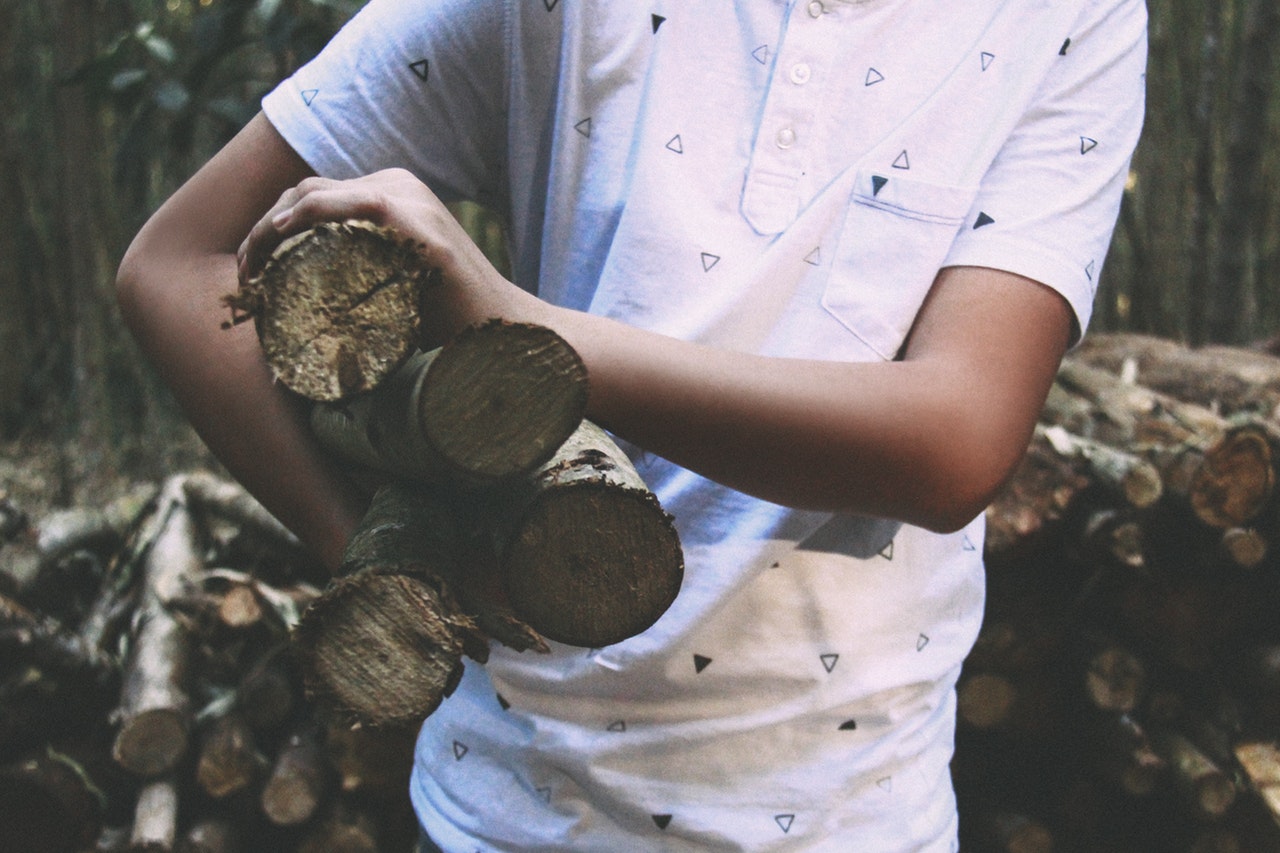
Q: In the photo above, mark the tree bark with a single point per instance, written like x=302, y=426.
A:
x=383, y=644
x=1231, y=306
x=154, y=705
x=155, y=820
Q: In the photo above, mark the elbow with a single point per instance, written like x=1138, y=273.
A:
x=964, y=482
x=130, y=285
x=952, y=511
x=949, y=511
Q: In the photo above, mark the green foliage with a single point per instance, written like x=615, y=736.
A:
x=180, y=77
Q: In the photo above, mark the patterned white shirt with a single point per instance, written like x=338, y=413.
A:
x=783, y=178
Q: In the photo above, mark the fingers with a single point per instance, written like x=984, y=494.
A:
x=393, y=197
x=264, y=236
x=313, y=201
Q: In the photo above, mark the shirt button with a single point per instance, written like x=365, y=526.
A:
x=786, y=137
x=800, y=73
x=816, y=8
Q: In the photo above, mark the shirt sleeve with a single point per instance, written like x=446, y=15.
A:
x=1047, y=207
x=420, y=86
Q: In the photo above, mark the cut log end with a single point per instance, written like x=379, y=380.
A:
x=593, y=565
x=984, y=701
x=376, y=650
x=152, y=742
x=1115, y=679
x=337, y=308
x=532, y=397
x=1236, y=480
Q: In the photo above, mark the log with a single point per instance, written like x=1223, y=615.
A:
x=986, y=700
x=1216, y=840
x=345, y=830
x=1115, y=679
x=48, y=805
x=81, y=528
x=370, y=761
x=587, y=554
x=1116, y=537
x=61, y=575
x=1245, y=547
x=154, y=706
x=1260, y=761
x=269, y=692
x=336, y=308
x=1129, y=475
x=13, y=520
x=43, y=642
x=1204, y=785
x=296, y=786
x=1149, y=414
x=1011, y=832
x=155, y=820
x=1030, y=507
x=383, y=644
x=492, y=404
x=72, y=547
x=229, y=760
x=1225, y=379
x=1236, y=478
x=1124, y=756
x=213, y=496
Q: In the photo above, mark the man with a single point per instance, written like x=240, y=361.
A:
x=821, y=260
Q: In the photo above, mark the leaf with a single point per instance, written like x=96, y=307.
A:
x=127, y=79
x=160, y=48
x=172, y=96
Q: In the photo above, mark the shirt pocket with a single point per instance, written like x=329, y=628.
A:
x=895, y=235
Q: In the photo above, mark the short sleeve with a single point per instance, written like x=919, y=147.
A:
x=420, y=86
x=1047, y=207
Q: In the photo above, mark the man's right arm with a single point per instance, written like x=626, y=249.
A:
x=170, y=288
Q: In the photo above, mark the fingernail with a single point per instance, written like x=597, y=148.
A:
x=282, y=218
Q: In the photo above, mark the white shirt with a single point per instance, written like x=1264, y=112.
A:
x=769, y=177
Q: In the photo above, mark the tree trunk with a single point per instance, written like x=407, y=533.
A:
x=1230, y=307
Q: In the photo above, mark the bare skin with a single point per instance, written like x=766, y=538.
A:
x=927, y=440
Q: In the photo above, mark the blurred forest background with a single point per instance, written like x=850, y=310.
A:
x=109, y=104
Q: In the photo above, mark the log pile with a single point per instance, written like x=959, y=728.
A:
x=156, y=703
x=1124, y=692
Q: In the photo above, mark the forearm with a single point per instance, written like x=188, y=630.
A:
x=905, y=440
x=254, y=427
x=927, y=439
x=170, y=288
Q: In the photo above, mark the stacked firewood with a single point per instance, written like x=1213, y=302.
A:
x=149, y=695
x=1124, y=692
